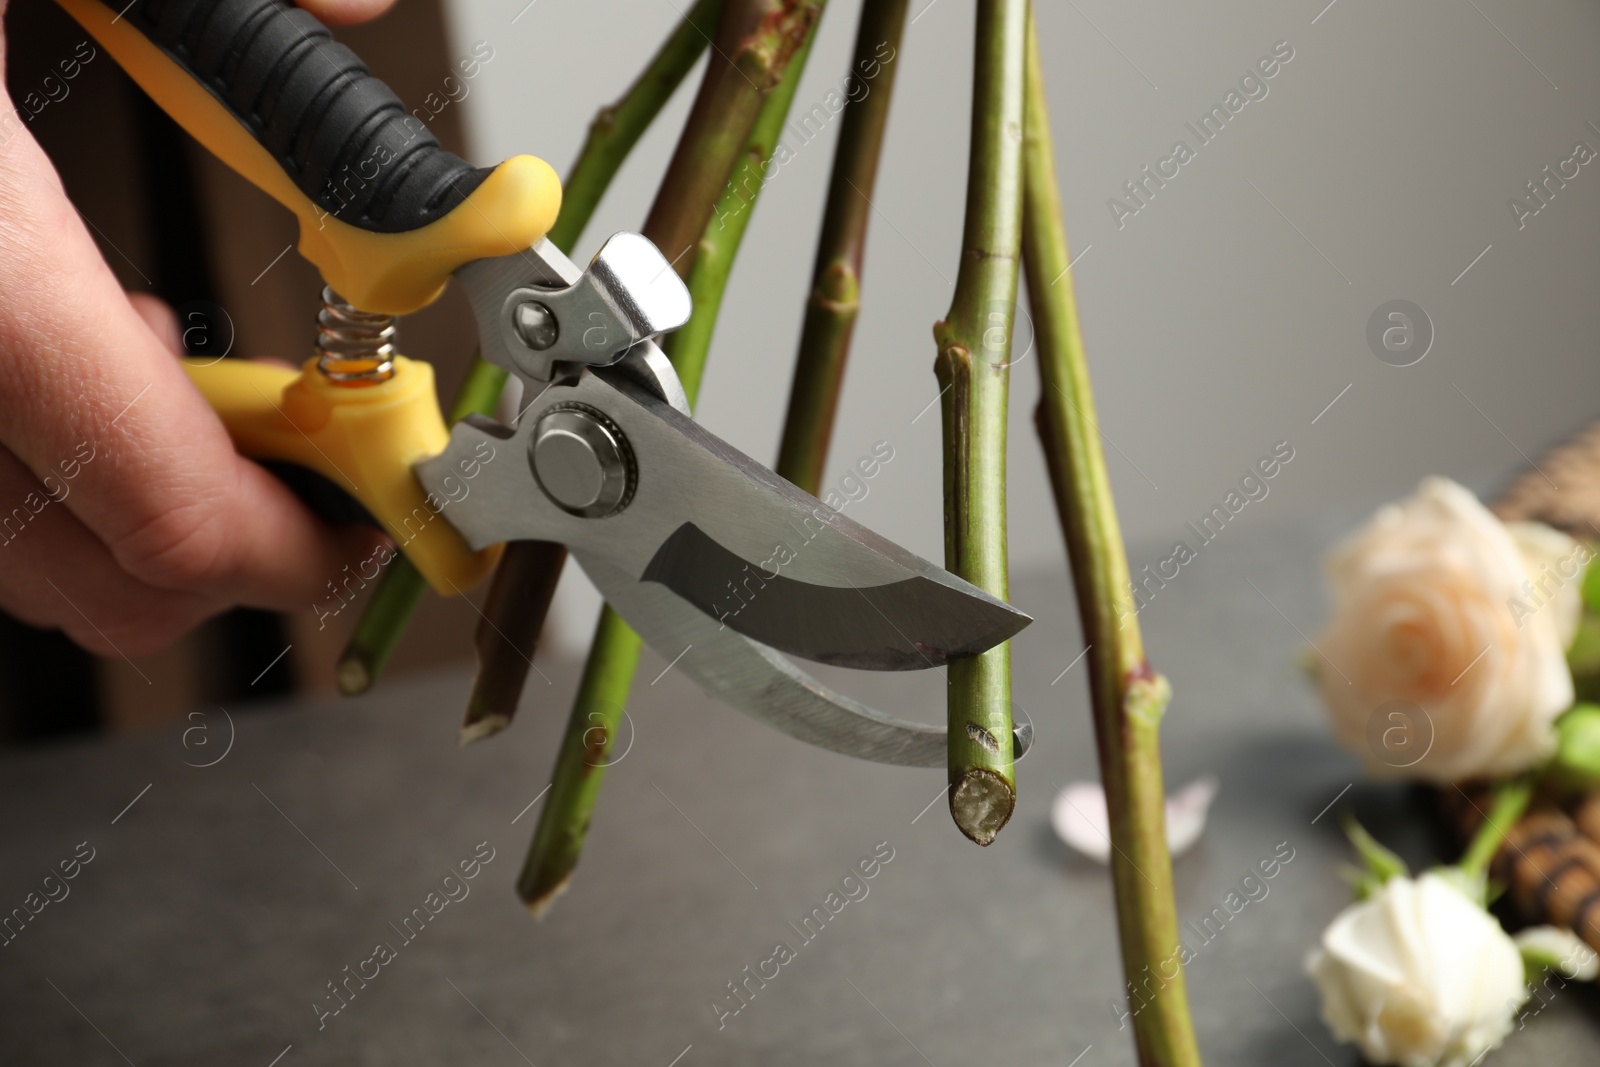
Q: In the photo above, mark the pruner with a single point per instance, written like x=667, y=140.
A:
x=680, y=532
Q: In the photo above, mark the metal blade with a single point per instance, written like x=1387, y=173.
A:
x=754, y=679
x=847, y=597
x=859, y=626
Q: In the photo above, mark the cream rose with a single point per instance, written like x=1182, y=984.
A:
x=1439, y=605
x=1418, y=975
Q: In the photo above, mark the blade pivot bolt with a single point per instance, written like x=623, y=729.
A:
x=582, y=461
x=536, y=325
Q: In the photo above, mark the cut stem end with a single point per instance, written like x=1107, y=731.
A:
x=486, y=726
x=539, y=898
x=981, y=804
x=354, y=675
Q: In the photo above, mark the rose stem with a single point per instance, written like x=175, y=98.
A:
x=755, y=41
x=614, y=654
x=973, y=371
x=1510, y=801
x=503, y=664
x=1128, y=698
x=617, y=128
x=836, y=278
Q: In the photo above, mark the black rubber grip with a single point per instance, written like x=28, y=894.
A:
x=339, y=133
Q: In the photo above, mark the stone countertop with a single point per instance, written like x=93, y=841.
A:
x=221, y=903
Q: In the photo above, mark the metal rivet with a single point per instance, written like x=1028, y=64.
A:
x=536, y=325
x=582, y=461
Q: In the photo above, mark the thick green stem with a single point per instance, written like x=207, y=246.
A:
x=973, y=367
x=612, y=135
x=836, y=278
x=1128, y=698
x=1510, y=801
x=614, y=656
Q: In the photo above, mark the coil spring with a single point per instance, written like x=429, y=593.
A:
x=353, y=347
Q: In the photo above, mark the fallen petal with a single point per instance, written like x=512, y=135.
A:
x=1080, y=818
x=1186, y=813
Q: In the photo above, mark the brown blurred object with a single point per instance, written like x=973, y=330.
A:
x=1563, y=489
x=1550, y=867
x=123, y=164
x=1586, y=814
x=1553, y=872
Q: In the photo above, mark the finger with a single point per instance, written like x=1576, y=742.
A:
x=163, y=322
x=158, y=315
x=84, y=379
x=54, y=573
x=345, y=12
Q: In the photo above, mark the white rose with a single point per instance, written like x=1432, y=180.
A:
x=1418, y=975
x=1440, y=605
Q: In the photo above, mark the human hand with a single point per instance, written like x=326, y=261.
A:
x=126, y=516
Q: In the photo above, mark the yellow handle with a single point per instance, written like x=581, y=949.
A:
x=363, y=440
x=387, y=273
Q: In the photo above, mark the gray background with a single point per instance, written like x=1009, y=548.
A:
x=1392, y=141
x=208, y=923
x=224, y=898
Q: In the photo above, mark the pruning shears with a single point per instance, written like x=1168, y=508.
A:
x=678, y=530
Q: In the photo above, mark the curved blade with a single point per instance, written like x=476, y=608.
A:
x=758, y=681
x=721, y=530
x=847, y=626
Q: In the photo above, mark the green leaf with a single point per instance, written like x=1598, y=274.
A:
x=1381, y=864
x=1361, y=881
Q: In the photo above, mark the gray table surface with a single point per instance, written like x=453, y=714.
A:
x=219, y=905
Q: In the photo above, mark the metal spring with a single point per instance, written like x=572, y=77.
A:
x=353, y=347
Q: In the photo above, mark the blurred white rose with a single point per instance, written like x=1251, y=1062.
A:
x=1439, y=605
x=1418, y=975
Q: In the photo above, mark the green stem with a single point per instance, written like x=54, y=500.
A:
x=383, y=622
x=973, y=367
x=612, y=135
x=580, y=763
x=1128, y=698
x=835, y=296
x=755, y=41
x=618, y=127
x=614, y=655
x=719, y=244
x=1511, y=799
